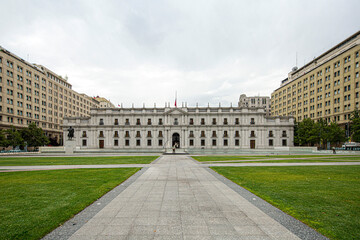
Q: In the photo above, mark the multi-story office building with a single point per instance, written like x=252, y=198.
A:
x=104, y=103
x=327, y=87
x=188, y=128
x=32, y=93
x=257, y=101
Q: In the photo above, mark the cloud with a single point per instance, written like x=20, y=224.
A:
x=143, y=51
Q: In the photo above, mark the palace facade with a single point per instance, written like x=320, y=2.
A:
x=183, y=127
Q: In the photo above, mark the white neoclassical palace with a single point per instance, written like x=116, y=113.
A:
x=186, y=128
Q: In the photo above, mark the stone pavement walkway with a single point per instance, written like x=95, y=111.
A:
x=177, y=198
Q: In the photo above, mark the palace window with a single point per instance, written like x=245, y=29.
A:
x=149, y=142
x=191, y=134
x=138, y=121
x=252, y=134
x=191, y=142
x=160, y=134
x=127, y=134
x=252, y=121
x=149, y=121
x=284, y=142
x=271, y=142
x=237, y=121
x=225, y=142
x=191, y=121
x=214, y=142
x=225, y=121
x=237, y=142
x=84, y=134
x=127, y=121
x=202, y=134
x=213, y=134
x=284, y=134
x=116, y=121
x=101, y=121
x=116, y=134
x=160, y=121
x=203, y=121
x=226, y=134
x=271, y=134
x=214, y=121
x=202, y=142
x=84, y=143
x=138, y=142
x=116, y=142
x=101, y=134
x=149, y=134
x=237, y=133
x=138, y=134
x=160, y=142
x=127, y=142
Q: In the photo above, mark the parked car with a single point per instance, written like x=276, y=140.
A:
x=351, y=146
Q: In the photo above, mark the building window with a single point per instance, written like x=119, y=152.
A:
x=202, y=142
x=237, y=142
x=191, y=134
x=284, y=142
x=84, y=134
x=160, y=121
x=138, y=142
x=160, y=134
x=116, y=134
x=149, y=121
x=202, y=121
x=202, y=134
x=116, y=122
x=271, y=142
x=138, y=121
x=271, y=134
x=225, y=121
x=191, y=142
x=127, y=134
x=160, y=142
x=237, y=133
x=214, y=142
x=252, y=121
x=101, y=121
x=214, y=121
x=127, y=121
x=237, y=121
x=226, y=134
x=176, y=122
x=225, y=142
x=213, y=134
x=127, y=142
x=84, y=142
x=149, y=134
x=252, y=134
x=149, y=142
x=116, y=142
x=284, y=134
x=138, y=134
x=191, y=121
x=101, y=134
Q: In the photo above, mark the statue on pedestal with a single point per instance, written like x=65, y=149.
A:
x=70, y=133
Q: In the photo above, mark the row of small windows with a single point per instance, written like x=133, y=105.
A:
x=191, y=134
x=191, y=142
x=176, y=122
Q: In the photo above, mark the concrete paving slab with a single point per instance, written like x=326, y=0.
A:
x=177, y=198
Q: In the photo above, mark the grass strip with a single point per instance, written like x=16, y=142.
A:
x=32, y=161
x=259, y=157
x=32, y=204
x=327, y=198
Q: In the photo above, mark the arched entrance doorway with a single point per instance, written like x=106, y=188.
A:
x=176, y=140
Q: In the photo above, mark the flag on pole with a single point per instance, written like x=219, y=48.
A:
x=175, y=98
x=118, y=105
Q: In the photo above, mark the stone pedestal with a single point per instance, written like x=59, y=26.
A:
x=70, y=146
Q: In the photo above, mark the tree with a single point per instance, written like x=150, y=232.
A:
x=13, y=137
x=336, y=134
x=355, y=126
x=3, y=140
x=34, y=136
x=305, y=130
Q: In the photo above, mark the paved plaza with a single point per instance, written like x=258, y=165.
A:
x=178, y=198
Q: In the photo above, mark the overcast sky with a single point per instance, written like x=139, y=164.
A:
x=142, y=51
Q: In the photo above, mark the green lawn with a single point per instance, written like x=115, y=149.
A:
x=294, y=161
x=34, y=203
x=327, y=198
x=30, y=161
x=281, y=158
